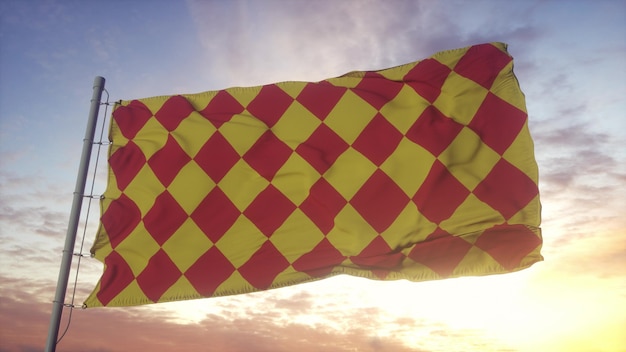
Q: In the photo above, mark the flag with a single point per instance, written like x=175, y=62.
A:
x=422, y=171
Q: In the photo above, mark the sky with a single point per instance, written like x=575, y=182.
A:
x=569, y=60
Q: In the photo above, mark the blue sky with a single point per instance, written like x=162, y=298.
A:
x=569, y=59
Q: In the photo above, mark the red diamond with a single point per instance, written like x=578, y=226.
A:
x=221, y=108
x=320, y=261
x=320, y=98
x=482, y=64
x=506, y=189
x=209, y=271
x=498, y=123
x=164, y=218
x=378, y=257
x=377, y=90
x=158, y=276
x=379, y=201
x=270, y=104
x=263, y=267
x=322, y=148
x=269, y=210
x=434, y=131
x=508, y=244
x=173, y=111
x=441, y=252
x=215, y=214
x=125, y=163
x=120, y=219
x=117, y=275
x=440, y=194
x=378, y=140
x=131, y=118
x=167, y=162
x=427, y=78
x=322, y=205
x=267, y=155
x=216, y=157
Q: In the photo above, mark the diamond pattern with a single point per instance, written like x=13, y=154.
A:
x=320, y=261
x=115, y=279
x=320, y=98
x=378, y=140
x=322, y=148
x=164, y=218
x=322, y=205
x=269, y=210
x=209, y=198
x=375, y=89
x=263, y=267
x=482, y=64
x=441, y=252
x=498, y=123
x=379, y=257
x=130, y=119
x=440, y=194
x=267, y=155
x=216, y=157
x=209, y=271
x=158, y=276
x=215, y=214
x=175, y=110
x=434, y=131
x=125, y=163
x=427, y=78
x=496, y=190
x=508, y=244
x=167, y=162
x=379, y=201
x=270, y=104
x=221, y=108
x=120, y=219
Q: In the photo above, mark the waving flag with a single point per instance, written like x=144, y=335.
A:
x=422, y=171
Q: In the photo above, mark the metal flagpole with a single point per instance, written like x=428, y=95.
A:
x=70, y=237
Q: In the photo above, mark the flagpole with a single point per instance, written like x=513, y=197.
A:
x=70, y=237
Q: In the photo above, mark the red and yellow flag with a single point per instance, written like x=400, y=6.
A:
x=422, y=171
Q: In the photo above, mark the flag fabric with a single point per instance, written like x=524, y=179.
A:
x=422, y=171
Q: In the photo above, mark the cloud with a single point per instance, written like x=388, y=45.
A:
x=281, y=320
x=23, y=323
x=275, y=42
x=579, y=168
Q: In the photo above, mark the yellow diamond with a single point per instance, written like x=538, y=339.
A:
x=186, y=245
x=349, y=173
x=241, y=241
x=144, y=189
x=472, y=215
x=242, y=184
x=193, y=132
x=468, y=158
x=128, y=248
x=296, y=236
x=351, y=232
x=295, y=178
x=151, y=138
x=350, y=116
x=296, y=125
x=460, y=98
x=404, y=109
x=408, y=166
x=190, y=186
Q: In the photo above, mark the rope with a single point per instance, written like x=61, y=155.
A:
x=91, y=197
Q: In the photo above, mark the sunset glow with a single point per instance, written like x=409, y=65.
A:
x=569, y=60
